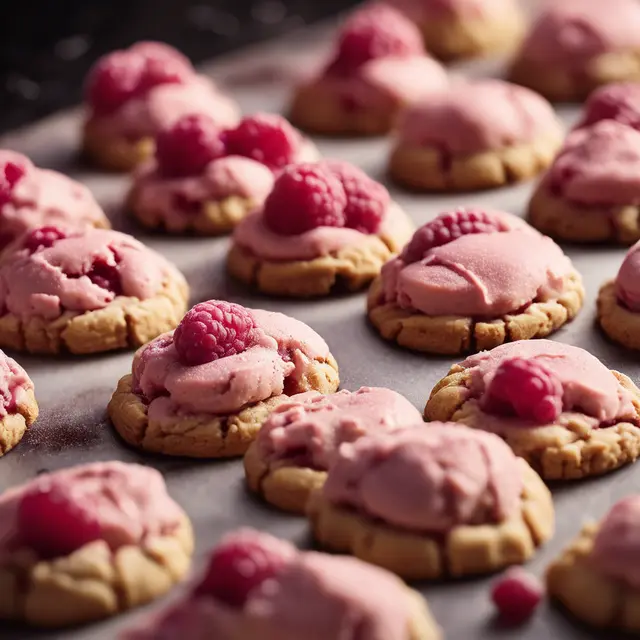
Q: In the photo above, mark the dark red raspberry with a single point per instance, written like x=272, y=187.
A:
x=213, y=329
x=188, y=146
x=367, y=200
x=106, y=276
x=52, y=523
x=305, y=196
x=375, y=32
x=267, y=138
x=525, y=388
x=10, y=174
x=618, y=101
x=43, y=238
x=516, y=595
x=446, y=228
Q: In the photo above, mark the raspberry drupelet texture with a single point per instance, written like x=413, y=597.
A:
x=446, y=228
x=212, y=330
x=10, y=174
x=42, y=238
x=516, y=595
x=524, y=388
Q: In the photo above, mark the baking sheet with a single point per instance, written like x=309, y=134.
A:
x=73, y=392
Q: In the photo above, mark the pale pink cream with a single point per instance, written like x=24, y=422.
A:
x=479, y=116
x=309, y=430
x=282, y=352
x=628, y=279
x=423, y=10
x=14, y=385
x=54, y=280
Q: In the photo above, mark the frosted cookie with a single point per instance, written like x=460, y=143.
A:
x=597, y=577
x=299, y=440
x=470, y=280
x=478, y=135
x=378, y=67
x=454, y=29
x=324, y=227
x=427, y=503
x=257, y=587
x=89, y=542
x=31, y=197
x=205, y=390
x=557, y=406
x=132, y=94
x=591, y=193
x=206, y=179
x=618, y=101
x=577, y=45
x=86, y=292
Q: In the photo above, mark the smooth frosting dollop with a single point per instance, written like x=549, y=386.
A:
x=281, y=353
x=14, y=385
x=628, y=279
x=588, y=386
x=309, y=430
x=430, y=479
x=479, y=116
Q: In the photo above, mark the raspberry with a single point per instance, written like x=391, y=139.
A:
x=305, y=196
x=446, y=228
x=52, y=523
x=516, y=595
x=367, y=200
x=525, y=388
x=10, y=174
x=375, y=32
x=106, y=276
x=43, y=238
x=269, y=139
x=212, y=330
x=619, y=102
x=188, y=146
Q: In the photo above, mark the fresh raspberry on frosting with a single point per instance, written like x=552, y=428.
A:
x=212, y=330
x=617, y=101
x=106, y=276
x=42, y=238
x=516, y=595
x=305, y=196
x=10, y=174
x=525, y=388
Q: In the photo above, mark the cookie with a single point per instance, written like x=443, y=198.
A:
x=516, y=285
x=407, y=514
x=581, y=421
x=99, y=556
x=618, y=101
x=324, y=227
x=205, y=390
x=296, y=445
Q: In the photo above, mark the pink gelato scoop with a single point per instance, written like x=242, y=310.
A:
x=431, y=479
x=81, y=271
x=628, y=279
x=479, y=116
x=14, y=384
x=309, y=430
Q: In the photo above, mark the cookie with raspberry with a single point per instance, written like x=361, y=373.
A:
x=478, y=135
x=296, y=445
x=471, y=280
x=89, y=542
x=557, y=406
x=31, y=197
x=86, y=292
x=323, y=227
x=258, y=587
x=132, y=94
x=574, y=47
x=206, y=389
x=432, y=502
x=206, y=179
x=378, y=67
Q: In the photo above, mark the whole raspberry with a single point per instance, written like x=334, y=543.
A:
x=10, y=174
x=305, y=196
x=375, y=32
x=524, y=388
x=367, y=200
x=618, y=101
x=188, y=146
x=106, y=276
x=212, y=330
x=269, y=139
x=446, y=228
x=516, y=595
x=43, y=238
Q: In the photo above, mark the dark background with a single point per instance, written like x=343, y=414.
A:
x=46, y=46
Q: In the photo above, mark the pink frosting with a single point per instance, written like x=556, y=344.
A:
x=599, y=165
x=54, y=280
x=283, y=350
x=14, y=385
x=479, y=116
x=430, y=479
x=254, y=235
x=588, y=386
x=309, y=430
x=616, y=101
x=423, y=10
x=628, y=279
x=616, y=550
